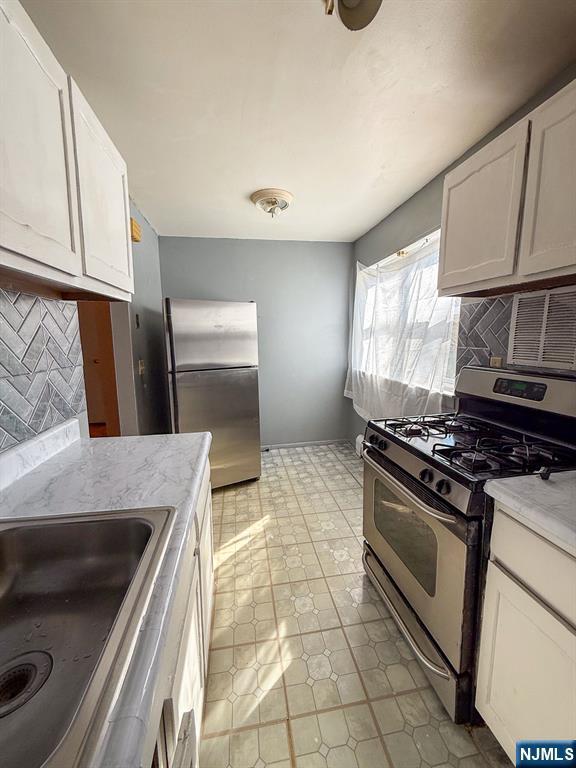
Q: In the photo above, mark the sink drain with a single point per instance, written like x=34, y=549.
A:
x=21, y=678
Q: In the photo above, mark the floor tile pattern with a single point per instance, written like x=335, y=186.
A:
x=307, y=669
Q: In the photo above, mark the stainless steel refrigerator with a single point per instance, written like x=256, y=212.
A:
x=213, y=381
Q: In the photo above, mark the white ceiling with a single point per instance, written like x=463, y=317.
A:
x=211, y=100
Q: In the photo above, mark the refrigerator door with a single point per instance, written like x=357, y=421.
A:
x=224, y=402
x=211, y=334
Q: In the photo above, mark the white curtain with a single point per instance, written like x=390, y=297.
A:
x=404, y=336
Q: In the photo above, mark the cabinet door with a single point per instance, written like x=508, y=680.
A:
x=207, y=575
x=549, y=228
x=189, y=676
x=103, y=196
x=38, y=201
x=481, y=212
x=527, y=666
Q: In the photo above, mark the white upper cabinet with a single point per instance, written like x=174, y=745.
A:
x=549, y=228
x=481, y=211
x=64, y=211
x=103, y=196
x=38, y=215
x=509, y=215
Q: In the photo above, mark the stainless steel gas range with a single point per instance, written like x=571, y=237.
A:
x=427, y=519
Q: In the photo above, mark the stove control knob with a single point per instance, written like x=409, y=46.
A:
x=443, y=487
x=373, y=439
x=382, y=444
x=426, y=475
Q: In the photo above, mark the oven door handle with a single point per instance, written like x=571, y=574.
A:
x=440, y=671
x=402, y=491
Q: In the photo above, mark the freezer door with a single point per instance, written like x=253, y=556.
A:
x=225, y=403
x=212, y=334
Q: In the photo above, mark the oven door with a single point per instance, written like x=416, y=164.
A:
x=430, y=554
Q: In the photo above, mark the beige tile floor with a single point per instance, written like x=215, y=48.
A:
x=307, y=669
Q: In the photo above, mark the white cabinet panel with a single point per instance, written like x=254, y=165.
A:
x=207, y=575
x=480, y=212
x=38, y=200
x=103, y=195
x=531, y=558
x=189, y=676
x=527, y=666
x=187, y=695
x=549, y=228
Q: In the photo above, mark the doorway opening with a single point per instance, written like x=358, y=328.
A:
x=108, y=368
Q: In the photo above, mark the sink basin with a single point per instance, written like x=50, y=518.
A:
x=68, y=593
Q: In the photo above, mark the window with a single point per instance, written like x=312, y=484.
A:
x=404, y=336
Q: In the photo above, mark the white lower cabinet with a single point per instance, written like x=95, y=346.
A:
x=206, y=563
x=189, y=680
x=526, y=686
x=187, y=693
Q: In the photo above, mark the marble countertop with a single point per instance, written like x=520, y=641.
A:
x=108, y=474
x=548, y=507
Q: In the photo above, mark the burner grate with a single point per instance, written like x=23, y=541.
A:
x=440, y=425
x=503, y=455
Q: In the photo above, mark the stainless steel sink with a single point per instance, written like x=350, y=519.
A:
x=69, y=593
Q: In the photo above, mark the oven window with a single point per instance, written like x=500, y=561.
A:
x=409, y=536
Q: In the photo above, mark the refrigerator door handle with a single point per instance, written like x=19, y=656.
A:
x=172, y=371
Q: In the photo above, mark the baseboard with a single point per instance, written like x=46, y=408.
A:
x=342, y=441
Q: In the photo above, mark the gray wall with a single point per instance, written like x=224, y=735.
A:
x=41, y=375
x=302, y=292
x=148, y=332
x=421, y=213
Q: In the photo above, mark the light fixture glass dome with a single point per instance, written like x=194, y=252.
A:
x=272, y=201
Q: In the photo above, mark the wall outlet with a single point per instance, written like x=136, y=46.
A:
x=141, y=367
x=496, y=362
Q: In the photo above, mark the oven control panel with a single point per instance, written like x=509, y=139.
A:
x=526, y=390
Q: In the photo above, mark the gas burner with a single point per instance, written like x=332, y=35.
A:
x=406, y=427
x=533, y=456
x=531, y=452
x=524, y=450
x=475, y=461
x=455, y=426
x=412, y=430
x=496, y=443
x=427, y=426
x=468, y=458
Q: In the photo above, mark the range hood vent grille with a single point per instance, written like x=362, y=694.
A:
x=543, y=332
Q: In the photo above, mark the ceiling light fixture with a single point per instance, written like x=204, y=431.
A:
x=272, y=201
x=354, y=14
